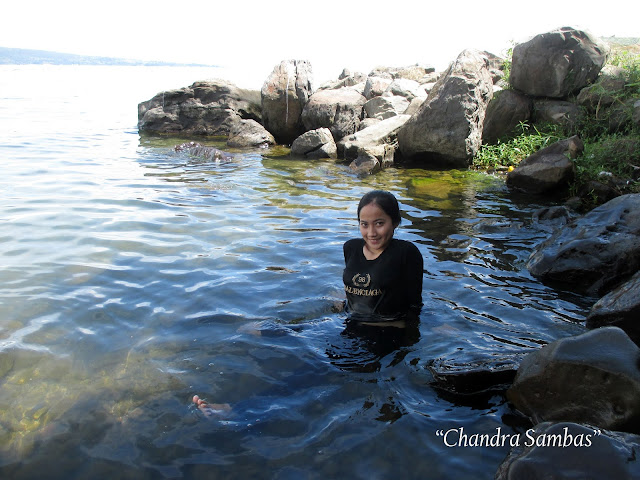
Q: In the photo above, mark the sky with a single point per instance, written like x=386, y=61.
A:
x=250, y=37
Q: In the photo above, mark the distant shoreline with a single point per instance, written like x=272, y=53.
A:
x=21, y=56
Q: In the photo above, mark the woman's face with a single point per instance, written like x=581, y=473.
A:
x=376, y=228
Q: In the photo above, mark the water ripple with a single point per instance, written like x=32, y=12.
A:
x=134, y=277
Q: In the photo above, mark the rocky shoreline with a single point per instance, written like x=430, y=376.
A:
x=589, y=383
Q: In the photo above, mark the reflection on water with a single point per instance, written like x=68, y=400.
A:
x=134, y=277
x=368, y=345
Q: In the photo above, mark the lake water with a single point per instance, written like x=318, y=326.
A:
x=133, y=277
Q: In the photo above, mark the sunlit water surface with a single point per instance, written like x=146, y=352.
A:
x=134, y=277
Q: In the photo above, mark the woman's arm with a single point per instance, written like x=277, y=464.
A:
x=414, y=269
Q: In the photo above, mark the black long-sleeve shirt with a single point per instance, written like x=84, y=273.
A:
x=386, y=288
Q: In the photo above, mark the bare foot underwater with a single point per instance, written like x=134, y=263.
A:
x=211, y=409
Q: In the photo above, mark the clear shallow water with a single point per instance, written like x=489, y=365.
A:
x=133, y=277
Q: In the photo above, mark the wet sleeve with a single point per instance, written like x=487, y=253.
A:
x=414, y=268
x=348, y=249
x=345, y=250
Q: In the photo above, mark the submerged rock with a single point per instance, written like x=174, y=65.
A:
x=572, y=451
x=590, y=378
x=619, y=308
x=479, y=376
x=552, y=218
x=211, y=154
x=595, y=252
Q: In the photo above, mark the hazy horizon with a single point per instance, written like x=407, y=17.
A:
x=253, y=37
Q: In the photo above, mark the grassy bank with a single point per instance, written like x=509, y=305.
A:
x=609, y=164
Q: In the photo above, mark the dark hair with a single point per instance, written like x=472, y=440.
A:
x=385, y=200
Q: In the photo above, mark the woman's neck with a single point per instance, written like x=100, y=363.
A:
x=369, y=254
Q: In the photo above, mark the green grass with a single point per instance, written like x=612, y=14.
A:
x=614, y=151
x=511, y=152
x=609, y=160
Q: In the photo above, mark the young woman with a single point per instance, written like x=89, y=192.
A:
x=382, y=275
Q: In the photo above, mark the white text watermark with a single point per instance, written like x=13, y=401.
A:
x=457, y=437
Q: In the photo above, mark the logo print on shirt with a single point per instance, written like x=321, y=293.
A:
x=361, y=281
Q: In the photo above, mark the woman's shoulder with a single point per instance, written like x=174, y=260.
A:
x=407, y=247
x=353, y=243
x=351, y=247
x=405, y=244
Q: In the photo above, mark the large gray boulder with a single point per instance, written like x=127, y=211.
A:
x=496, y=68
x=345, y=79
x=339, y=110
x=376, y=85
x=602, y=93
x=372, y=159
x=561, y=451
x=549, y=170
x=315, y=144
x=403, y=87
x=622, y=114
x=595, y=252
x=415, y=105
x=381, y=133
x=590, y=378
x=619, y=308
x=249, y=133
x=635, y=114
x=447, y=129
x=284, y=94
x=417, y=72
x=204, y=108
x=368, y=122
x=506, y=110
x=566, y=114
x=385, y=107
x=557, y=63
